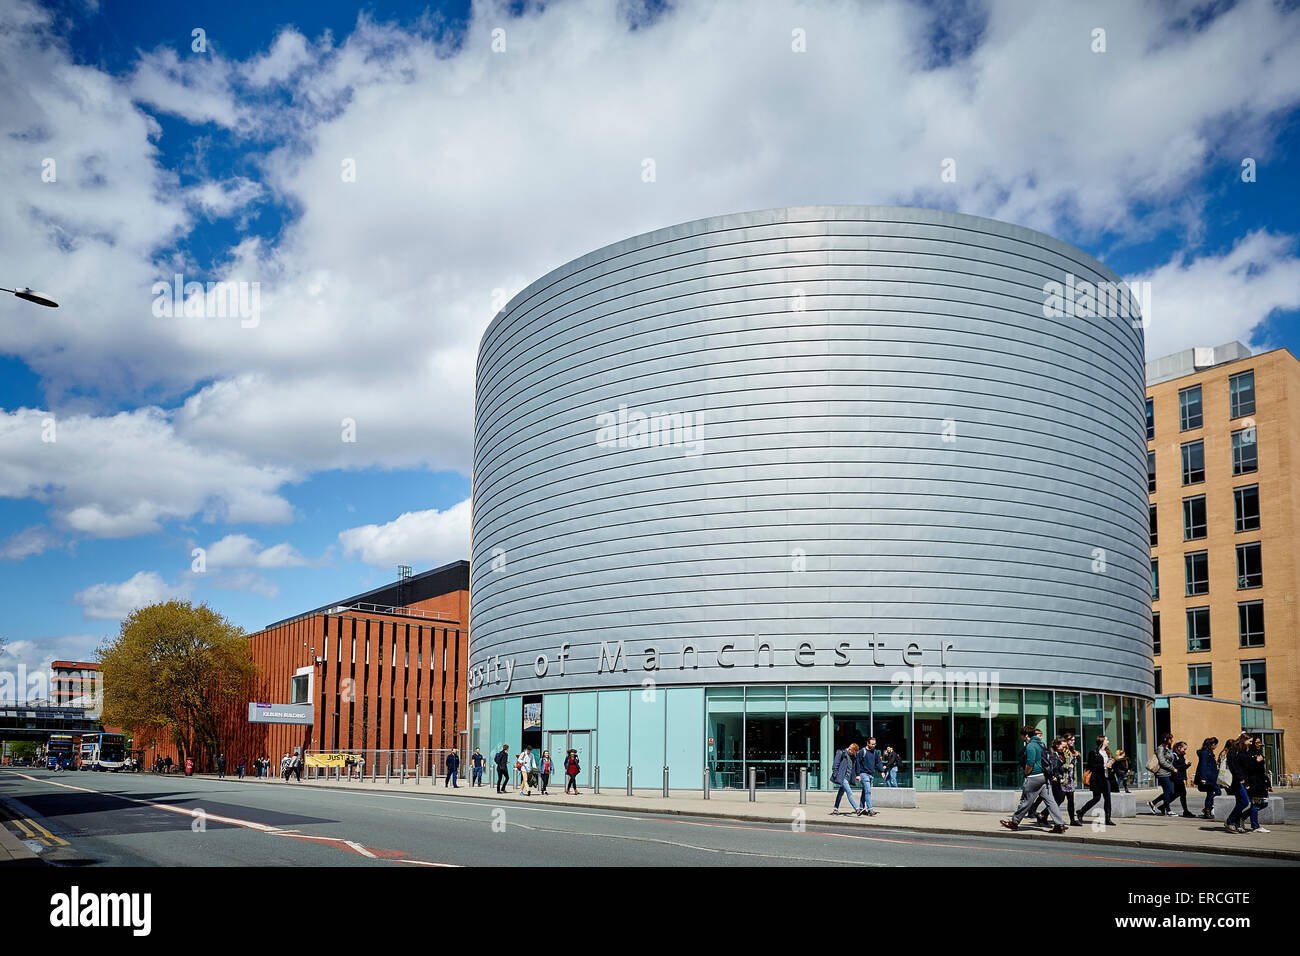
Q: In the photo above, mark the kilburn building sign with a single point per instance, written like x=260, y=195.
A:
x=750, y=487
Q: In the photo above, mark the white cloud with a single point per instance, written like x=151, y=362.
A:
x=122, y=475
x=1211, y=300
x=223, y=198
x=479, y=171
x=112, y=602
x=416, y=537
x=28, y=542
x=241, y=551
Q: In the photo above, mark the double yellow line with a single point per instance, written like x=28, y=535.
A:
x=29, y=829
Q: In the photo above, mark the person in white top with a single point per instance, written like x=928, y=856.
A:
x=526, y=766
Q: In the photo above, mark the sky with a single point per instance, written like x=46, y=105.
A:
x=378, y=180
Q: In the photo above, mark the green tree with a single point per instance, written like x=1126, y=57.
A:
x=176, y=667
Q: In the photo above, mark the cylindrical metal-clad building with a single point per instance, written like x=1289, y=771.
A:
x=751, y=487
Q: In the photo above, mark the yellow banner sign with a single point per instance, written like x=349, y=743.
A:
x=331, y=760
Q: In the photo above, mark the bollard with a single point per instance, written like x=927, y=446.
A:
x=374, y=770
x=595, y=779
x=388, y=771
x=629, y=781
x=706, y=783
x=665, y=781
x=403, y=769
x=417, y=771
x=753, y=785
x=803, y=785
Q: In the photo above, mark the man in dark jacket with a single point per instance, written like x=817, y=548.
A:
x=865, y=766
x=503, y=768
x=221, y=766
x=892, y=760
x=453, y=765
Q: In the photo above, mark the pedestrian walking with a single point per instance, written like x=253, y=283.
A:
x=1121, y=771
x=297, y=767
x=1206, y=777
x=544, y=769
x=1041, y=765
x=453, y=767
x=221, y=766
x=842, y=777
x=1063, y=787
x=242, y=767
x=502, y=760
x=892, y=760
x=865, y=766
x=1096, y=777
x=527, y=772
x=571, y=770
x=1180, y=776
x=1257, y=782
x=476, y=762
x=1162, y=765
x=1238, y=768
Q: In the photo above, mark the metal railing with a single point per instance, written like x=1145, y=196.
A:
x=400, y=765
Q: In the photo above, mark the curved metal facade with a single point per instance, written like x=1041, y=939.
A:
x=881, y=441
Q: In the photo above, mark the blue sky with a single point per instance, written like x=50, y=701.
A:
x=490, y=143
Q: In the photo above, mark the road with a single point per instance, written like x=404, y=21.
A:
x=150, y=820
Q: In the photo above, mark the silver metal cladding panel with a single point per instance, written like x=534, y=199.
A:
x=882, y=440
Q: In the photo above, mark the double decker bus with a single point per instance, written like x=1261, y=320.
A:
x=60, y=752
x=102, y=752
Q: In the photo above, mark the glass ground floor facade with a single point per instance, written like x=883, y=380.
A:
x=947, y=740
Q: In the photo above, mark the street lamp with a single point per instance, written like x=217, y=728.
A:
x=32, y=296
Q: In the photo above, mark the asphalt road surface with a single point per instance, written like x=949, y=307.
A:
x=152, y=820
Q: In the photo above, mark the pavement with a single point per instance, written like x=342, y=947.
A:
x=936, y=812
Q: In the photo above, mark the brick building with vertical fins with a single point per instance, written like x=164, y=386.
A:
x=382, y=670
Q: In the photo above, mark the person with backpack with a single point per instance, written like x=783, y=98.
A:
x=1041, y=765
x=571, y=771
x=1162, y=765
x=892, y=760
x=1206, y=776
x=865, y=767
x=1097, y=779
x=544, y=769
x=1063, y=786
x=502, y=760
x=842, y=777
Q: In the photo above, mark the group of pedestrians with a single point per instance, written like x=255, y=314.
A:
x=1050, y=780
x=855, y=765
x=534, y=772
x=1239, y=770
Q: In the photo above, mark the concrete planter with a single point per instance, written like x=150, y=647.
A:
x=1006, y=801
x=894, y=797
x=1271, y=815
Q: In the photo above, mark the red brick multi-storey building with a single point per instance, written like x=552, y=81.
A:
x=380, y=671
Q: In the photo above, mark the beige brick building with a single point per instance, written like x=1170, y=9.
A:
x=1224, y=451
